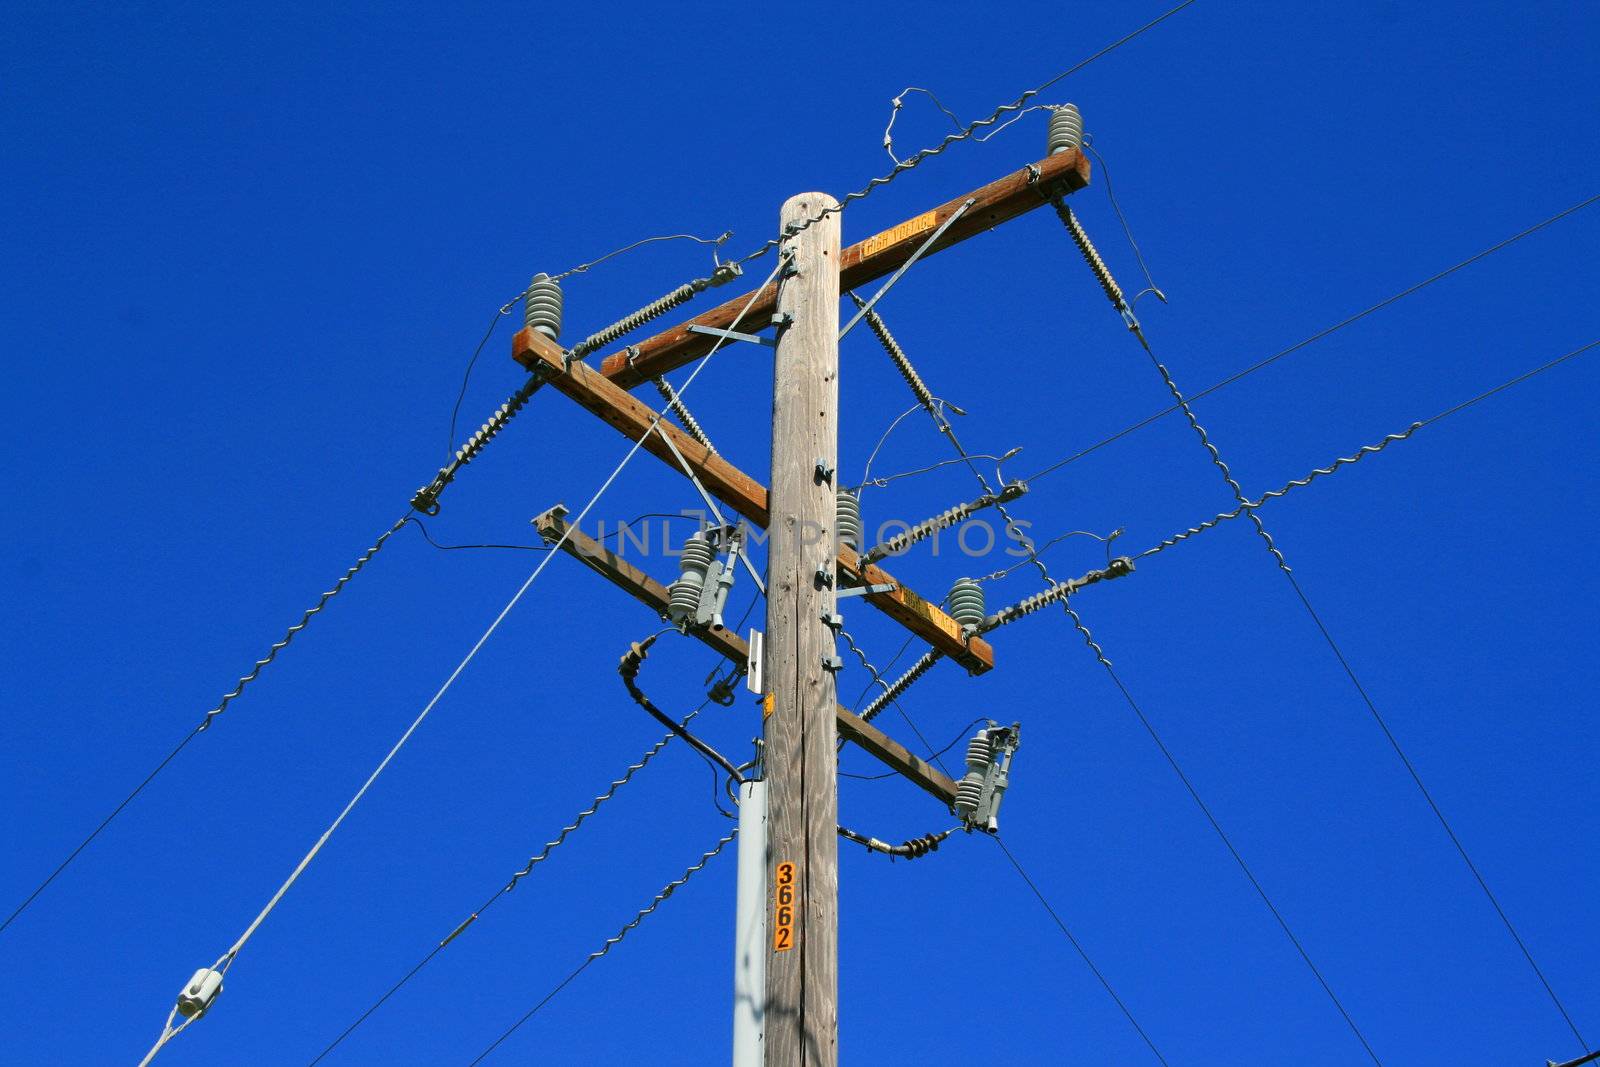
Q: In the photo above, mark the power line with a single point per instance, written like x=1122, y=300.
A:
x=1288, y=573
x=1194, y=794
x=205, y=723
x=1319, y=335
x=1078, y=947
x=1365, y=450
x=611, y=942
x=881, y=330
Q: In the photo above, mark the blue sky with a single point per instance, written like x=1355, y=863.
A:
x=250, y=250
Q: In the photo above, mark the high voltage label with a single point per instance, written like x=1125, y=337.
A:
x=783, y=912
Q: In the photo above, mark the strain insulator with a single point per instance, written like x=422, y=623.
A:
x=724, y=273
x=542, y=306
x=676, y=405
x=942, y=521
x=1060, y=591
x=1091, y=256
x=847, y=518
x=426, y=499
x=901, y=684
x=897, y=355
x=1066, y=128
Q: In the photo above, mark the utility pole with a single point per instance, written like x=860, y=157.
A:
x=802, y=974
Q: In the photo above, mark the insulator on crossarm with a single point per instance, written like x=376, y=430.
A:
x=683, y=595
x=969, y=794
x=542, y=306
x=965, y=602
x=1066, y=128
x=847, y=518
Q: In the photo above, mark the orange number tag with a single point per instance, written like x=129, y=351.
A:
x=783, y=910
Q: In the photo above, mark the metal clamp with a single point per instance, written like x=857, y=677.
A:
x=823, y=472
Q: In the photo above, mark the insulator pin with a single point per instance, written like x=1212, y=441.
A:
x=965, y=602
x=683, y=595
x=1066, y=128
x=542, y=306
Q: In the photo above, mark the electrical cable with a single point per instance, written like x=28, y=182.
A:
x=610, y=943
x=1363, y=451
x=1319, y=335
x=1051, y=583
x=205, y=723
x=1078, y=947
x=1249, y=508
x=632, y=660
x=1194, y=794
x=226, y=960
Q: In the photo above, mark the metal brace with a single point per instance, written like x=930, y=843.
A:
x=861, y=590
x=731, y=335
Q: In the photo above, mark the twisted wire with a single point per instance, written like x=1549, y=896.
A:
x=877, y=678
x=1194, y=794
x=963, y=134
x=205, y=722
x=1322, y=333
x=611, y=942
x=681, y=410
x=1298, y=483
x=550, y=846
x=305, y=620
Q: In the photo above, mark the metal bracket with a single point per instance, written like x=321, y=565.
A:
x=782, y=320
x=731, y=335
x=825, y=577
x=832, y=620
x=861, y=590
x=752, y=669
x=832, y=664
x=824, y=472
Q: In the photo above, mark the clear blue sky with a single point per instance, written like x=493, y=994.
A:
x=249, y=250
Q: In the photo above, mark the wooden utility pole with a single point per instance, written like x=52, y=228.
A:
x=802, y=1017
